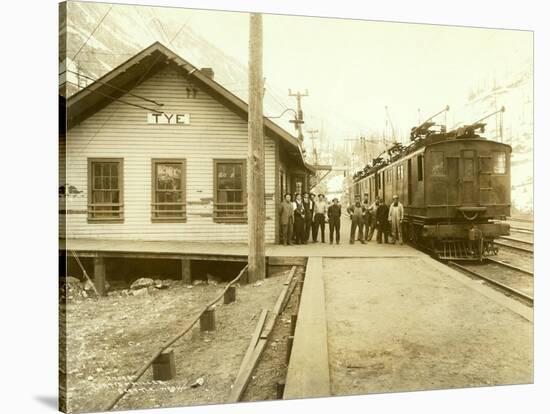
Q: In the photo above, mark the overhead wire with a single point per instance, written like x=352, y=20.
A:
x=92, y=33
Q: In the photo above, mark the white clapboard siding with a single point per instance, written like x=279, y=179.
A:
x=121, y=131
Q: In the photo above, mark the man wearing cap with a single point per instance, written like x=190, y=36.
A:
x=356, y=212
x=308, y=208
x=395, y=217
x=334, y=213
x=319, y=218
x=286, y=212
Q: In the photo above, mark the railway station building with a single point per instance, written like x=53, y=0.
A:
x=156, y=150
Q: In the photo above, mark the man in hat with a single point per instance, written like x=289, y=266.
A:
x=308, y=208
x=395, y=217
x=286, y=212
x=382, y=226
x=356, y=212
x=320, y=209
x=334, y=213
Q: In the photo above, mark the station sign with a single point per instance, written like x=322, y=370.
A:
x=163, y=118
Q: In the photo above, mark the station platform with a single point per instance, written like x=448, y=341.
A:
x=404, y=323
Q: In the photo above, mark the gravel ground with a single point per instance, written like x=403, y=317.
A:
x=111, y=337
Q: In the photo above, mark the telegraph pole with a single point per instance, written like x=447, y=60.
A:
x=300, y=114
x=313, y=137
x=256, y=208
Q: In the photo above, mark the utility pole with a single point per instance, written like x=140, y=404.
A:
x=312, y=136
x=300, y=114
x=256, y=206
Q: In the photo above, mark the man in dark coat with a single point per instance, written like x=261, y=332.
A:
x=286, y=219
x=334, y=213
x=299, y=217
x=382, y=225
x=308, y=208
x=356, y=212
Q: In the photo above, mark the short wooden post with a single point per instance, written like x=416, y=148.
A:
x=99, y=275
x=164, y=366
x=208, y=320
x=293, y=320
x=230, y=295
x=280, y=390
x=186, y=271
x=289, y=343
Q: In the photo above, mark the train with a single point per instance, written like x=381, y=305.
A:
x=455, y=187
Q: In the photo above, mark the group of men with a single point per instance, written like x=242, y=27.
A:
x=305, y=215
x=386, y=220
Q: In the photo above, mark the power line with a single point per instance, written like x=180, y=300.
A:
x=93, y=31
x=115, y=87
x=119, y=100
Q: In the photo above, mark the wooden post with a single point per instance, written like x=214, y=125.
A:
x=99, y=275
x=186, y=271
x=164, y=366
x=293, y=320
x=208, y=320
x=230, y=295
x=289, y=343
x=280, y=390
x=256, y=201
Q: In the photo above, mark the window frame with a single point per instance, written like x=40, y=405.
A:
x=169, y=219
x=444, y=166
x=494, y=158
x=230, y=220
x=420, y=167
x=90, y=198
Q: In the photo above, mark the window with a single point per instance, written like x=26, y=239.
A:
x=420, y=167
x=499, y=163
x=230, y=191
x=105, y=190
x=399, y=172
x=437, y=163
x=168, y=197
x=485, y=165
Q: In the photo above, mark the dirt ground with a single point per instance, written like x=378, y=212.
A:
x=111, y=337
x=417, y=329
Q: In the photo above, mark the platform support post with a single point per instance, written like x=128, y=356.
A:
x=186, y=271
x=99, y=275
x=293, y=320
x=289, y=343
x=208, y=320
x=164, y=366
x=280, y=390
x=230, y=295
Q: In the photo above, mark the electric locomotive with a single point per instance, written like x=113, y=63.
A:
x=454, y=186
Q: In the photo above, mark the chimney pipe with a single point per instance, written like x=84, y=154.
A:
x=208, y=72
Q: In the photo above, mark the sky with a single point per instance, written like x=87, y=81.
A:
x=353, y=69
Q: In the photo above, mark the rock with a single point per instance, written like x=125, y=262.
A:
x=141, y=292
x=161, y=284
x=259, y=283
x=69, y=280
x=88, y=285
x=84, y=294
x=198, y=282
x=198, y=382
x=142, y=282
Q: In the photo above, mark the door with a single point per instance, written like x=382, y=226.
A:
x=409, y=182
x=468, y=172
x=453, y=182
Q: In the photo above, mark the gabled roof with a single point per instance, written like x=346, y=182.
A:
x=146, y=63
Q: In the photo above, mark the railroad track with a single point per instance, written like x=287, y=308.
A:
x=520, y=278
x=516, y=244
x=521, y=230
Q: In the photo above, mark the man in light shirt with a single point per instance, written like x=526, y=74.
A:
x=320, y=210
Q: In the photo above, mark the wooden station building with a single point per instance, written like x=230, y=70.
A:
x=156, y=150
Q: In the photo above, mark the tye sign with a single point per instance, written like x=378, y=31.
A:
x=168, y=119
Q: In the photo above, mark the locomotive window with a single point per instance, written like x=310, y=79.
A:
x=485, y=164
x=437, y=163
x=468, y=167
x=499, y=163
x=420, y=167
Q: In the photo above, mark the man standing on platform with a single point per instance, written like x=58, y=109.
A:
x=395, y=217
x=286, y=212
x=356, y=212
x=319, y=218
x=308, y=208
x=372, y=219
x=382, y=212
x=334, y=213
x=366, y=217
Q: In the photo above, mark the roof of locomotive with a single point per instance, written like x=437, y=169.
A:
x=399, y=151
